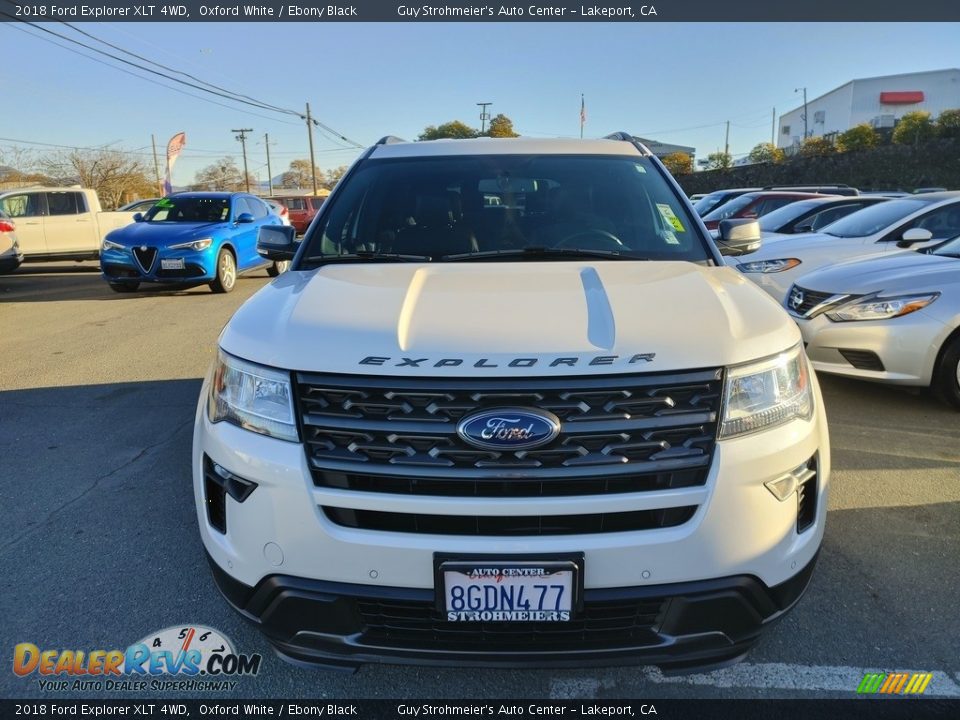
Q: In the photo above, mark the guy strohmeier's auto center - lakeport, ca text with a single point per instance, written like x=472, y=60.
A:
x=317, y=12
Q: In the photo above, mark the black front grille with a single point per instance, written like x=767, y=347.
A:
x=188, y=271
x=145, y=257
x=600, y=624
x=810, y=299
x=510, y=525
x=119, y=271
x=619, y=434
x=862, y=359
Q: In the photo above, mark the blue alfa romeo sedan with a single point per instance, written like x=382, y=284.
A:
x=192, y=238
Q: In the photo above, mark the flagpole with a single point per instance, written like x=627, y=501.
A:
x=583, y=118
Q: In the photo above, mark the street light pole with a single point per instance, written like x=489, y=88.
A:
x=242, y=137
x=805, y=130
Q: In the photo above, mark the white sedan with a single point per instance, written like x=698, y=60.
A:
x=916, y=221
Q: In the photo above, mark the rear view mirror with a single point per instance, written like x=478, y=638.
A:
x=738, y=237
x=277, y=242
x=914, y=235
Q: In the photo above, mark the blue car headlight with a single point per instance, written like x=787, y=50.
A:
x=197, y=245
x=110, y=245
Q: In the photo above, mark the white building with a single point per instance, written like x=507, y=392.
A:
x=879, y=101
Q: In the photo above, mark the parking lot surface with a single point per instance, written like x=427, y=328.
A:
x=97, y=397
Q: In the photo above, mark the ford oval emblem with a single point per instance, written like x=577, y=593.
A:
x=509, y=428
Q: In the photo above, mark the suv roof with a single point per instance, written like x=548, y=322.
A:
x=393, y=148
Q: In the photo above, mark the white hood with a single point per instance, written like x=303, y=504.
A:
x=475, y=319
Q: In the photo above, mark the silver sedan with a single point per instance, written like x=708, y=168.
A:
x=892, y=319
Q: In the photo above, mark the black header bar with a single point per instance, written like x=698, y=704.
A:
x=648, y=11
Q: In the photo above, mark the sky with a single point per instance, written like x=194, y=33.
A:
x=677, y=83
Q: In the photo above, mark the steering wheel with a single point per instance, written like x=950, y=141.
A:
x=604, y=240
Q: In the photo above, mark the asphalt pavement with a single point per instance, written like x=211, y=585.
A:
x=97, y=396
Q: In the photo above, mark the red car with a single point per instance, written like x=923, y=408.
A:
x=753, y=205
x=302, y=209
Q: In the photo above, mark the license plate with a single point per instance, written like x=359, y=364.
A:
x=511, y=591
x=172, y=264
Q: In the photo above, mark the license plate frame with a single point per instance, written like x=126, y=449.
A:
x=171, y=264
x=454, y=562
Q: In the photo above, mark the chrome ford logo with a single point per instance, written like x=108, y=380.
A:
x=796, y=298
x=509, y=428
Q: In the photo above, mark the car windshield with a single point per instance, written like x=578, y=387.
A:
x=190, y=209
x=951, y=248
x=776, y=219
x=709, y=202
x=486, y=206
x=729, y=209
x=875, y=218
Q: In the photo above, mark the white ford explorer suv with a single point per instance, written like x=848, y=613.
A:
x=509, y=406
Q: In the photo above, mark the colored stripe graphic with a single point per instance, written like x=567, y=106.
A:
x=894, y=683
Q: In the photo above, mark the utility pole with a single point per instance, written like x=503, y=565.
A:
x=156, y=163
x=484, y=116
x=773, y=128
x=726, y=142
x=266, y=143
x=242, y=137
x=805, y=130
x=313, y=164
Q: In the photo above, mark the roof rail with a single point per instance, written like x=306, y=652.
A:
x=389, y=140
x=625, y=136
x=820, y=185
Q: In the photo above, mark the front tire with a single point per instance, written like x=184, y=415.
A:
x=946, y=378
x=226, y=272
x=128, y=287
x=278, y=267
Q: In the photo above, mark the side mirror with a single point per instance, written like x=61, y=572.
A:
x=138, y=217
x=244, y=218
x=738, y=237
x=914, y=235
x=277, y=242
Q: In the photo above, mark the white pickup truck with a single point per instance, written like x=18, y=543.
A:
x=60, y=223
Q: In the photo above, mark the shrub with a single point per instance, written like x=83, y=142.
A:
x=914, y=128
x=860, y=137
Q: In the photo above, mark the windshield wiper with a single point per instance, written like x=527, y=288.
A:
x=368, y=255
x=540, y=253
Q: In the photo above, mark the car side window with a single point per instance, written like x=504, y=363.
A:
x=63, y=203
x=240, y=206
x=942, y=222
x=257, y=208
x=23, y=205
x=826, y=217
x=296, y=204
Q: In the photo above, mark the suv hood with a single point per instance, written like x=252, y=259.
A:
x=906, y=271
x=144, y=233
x=516, y=319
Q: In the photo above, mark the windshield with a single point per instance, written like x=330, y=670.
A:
x=468, y=205
x=776, y=219
x=709, y=202
x=873, y=219
x=729, y=209
x=950, y=248
x=191, y=209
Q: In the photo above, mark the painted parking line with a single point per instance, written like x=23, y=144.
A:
x=811, y=678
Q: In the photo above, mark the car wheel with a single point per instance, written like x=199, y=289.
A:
x=278, y=267
x=226, y=272
x=946, y=381
x=124, y=287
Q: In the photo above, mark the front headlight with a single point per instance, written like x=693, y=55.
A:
x=253, y=397
x=769, y=266
x=110, y=245
x=881, y=308
x=767, y=393
x=194, y=244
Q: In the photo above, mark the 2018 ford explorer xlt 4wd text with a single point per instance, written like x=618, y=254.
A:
x=509, y=406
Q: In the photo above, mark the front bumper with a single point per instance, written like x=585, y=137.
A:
x=900, y=351
x=121, y=266
x=681, y=627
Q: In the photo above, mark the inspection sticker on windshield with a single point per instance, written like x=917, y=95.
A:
x=670, y=238
x=667, y=213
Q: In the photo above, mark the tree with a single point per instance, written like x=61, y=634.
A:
x=115, y=175
x=452, y=129
x=501, y=127
x=948, y=124
x=719, y=161
x=913, y=128
x=222, y=175
x=300, y=175
x=678, y=163
x=332, y=177
x=766, y=152
x=816, y=147
x=859, y=137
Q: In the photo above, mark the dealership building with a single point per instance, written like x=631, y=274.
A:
x=877, y=101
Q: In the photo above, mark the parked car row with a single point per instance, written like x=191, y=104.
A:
x=873, y=281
